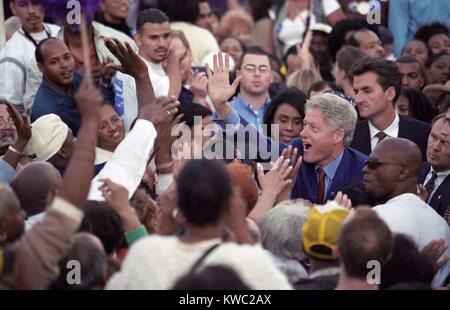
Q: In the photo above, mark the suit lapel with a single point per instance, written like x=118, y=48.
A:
x=443, y=189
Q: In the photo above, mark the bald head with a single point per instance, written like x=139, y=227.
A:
x=402, y=152
x=392, y=169
x=35, y=186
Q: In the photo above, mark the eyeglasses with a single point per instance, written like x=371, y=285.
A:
x=373, y=164
x=252, y=68
x=4, y=123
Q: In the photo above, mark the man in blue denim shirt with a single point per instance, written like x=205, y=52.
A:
x=255, y=75
x=55, y=95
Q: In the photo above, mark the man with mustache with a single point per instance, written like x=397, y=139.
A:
x=18, y=53
x=154, y=41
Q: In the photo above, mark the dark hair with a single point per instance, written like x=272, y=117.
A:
x=93, y=265
x=363, y=238
x=192, y=110
x=180, y=10
x=347, y=56
x=38, y=52
x=386, y=70
x=291, y=51
x=419, y=105
x=321, y=85
x=253, y=50
x=103, y=222
x=243, y=47
x=425, y=32
x=406, y=264
x=204, y=188
x=352, y=41
x=153, y=16
x=407, y=59
x=211, y=278
x=293, y=97
x=336, y=38
x=433, y=58
x=259, y=9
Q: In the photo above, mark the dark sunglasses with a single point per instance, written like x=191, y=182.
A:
x=373, y=164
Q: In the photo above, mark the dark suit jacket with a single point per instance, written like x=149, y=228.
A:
x=349, y=170
x=441, y=197
x=409, y=128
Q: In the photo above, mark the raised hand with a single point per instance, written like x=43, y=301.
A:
x=199, y=87
x=277, y=178
x=160, y=110
x=422, y=192
x=219, y=88
x=131, y=63
x=291, y=153
x=104, y=72
x=343, y=201
x=116, y=197
x=21, y=123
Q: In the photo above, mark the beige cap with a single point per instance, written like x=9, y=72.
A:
x=48, y=135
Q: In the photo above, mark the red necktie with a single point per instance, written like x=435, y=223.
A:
x=321, y=186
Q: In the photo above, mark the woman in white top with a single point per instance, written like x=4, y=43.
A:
x=295, y=17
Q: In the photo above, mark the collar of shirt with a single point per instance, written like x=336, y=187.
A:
x=68, y=100
x=331, y=168
x=248, y=112
x=391, y=130
x=250, y=107
x=440, y=178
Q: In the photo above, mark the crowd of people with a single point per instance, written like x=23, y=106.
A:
x=232, y=145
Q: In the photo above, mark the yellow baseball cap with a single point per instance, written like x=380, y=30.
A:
x=321, y=230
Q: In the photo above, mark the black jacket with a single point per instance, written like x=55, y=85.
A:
x=440, y=201
x=409, y=128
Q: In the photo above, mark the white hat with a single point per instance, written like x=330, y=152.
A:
x=321, y=27
x=48, y=134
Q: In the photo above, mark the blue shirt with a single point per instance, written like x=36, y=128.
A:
x=248, y=111
x=330, y=171
x=49, y=100
x=6, y=172
x=406, y=16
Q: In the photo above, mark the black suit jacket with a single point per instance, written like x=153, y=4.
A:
x=441, y=197
x=409, y=128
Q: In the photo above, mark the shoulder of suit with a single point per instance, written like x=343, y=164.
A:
x=414, y=122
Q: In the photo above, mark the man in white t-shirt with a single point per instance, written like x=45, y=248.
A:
x=154, y=42
x=391, y=175
x=18, y=53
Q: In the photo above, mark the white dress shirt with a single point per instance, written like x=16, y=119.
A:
x=129, y=161
x=391, y=131
x=408, y=214
x=440, y=178
x=125, y=90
